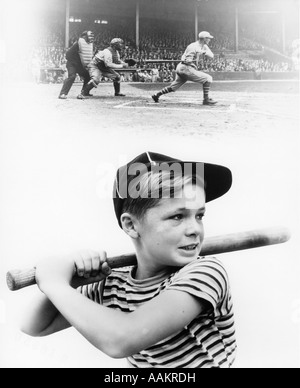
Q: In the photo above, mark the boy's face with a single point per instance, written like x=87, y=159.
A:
x=171, y=234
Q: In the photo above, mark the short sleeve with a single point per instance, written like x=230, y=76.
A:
x=204, y=278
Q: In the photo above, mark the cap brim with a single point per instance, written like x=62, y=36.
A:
x=217, y=179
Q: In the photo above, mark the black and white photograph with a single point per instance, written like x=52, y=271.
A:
x=149, y=186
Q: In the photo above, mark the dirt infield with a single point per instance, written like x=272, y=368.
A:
x=271, y=105
x=244, y=109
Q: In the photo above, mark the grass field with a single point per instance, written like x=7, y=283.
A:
x=57, y=160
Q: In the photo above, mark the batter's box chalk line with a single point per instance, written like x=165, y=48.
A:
x=170, y=106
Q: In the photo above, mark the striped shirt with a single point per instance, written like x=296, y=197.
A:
x=208, y=341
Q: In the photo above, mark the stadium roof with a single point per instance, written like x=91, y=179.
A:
x=168, y=9
x=213, y=5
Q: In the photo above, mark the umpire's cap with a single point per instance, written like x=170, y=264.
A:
x=205, y=34
x=217, y=179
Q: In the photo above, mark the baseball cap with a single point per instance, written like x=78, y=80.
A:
x=217, y=179
x=205, y=34
x=116, y=41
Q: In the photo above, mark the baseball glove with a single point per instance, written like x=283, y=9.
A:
x=131, y=62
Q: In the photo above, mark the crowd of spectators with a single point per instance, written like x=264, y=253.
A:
x=166, y=72
x=48, y=55
x=235, y=64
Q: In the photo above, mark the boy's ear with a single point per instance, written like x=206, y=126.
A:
x=129, y=225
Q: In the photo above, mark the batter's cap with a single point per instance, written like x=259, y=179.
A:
x=217, y=179
x=205, y=34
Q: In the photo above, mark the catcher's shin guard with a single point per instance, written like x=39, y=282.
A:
x=93, y=83
x=117, y=87
x=87, y=88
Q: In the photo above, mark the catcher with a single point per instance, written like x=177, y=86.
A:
x=104, y=64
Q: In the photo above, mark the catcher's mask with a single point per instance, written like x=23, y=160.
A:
x=88, y=36
x=117, y=43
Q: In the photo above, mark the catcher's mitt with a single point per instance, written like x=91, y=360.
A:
x=131, y=62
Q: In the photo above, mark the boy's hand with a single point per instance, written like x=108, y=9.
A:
x=92, y=266
x=73, y=270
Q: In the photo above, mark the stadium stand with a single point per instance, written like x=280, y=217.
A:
x=164, y=41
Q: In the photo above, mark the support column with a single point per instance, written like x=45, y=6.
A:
x=283, y=37
x=236, y=32
x=137, y=23
x=67, y=24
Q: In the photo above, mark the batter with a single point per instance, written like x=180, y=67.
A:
x=187, y=69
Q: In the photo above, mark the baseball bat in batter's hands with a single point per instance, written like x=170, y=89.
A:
x=17, y=279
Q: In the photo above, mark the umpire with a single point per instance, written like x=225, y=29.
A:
x=78, y=57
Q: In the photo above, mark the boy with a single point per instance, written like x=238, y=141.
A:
x=187, y=69
x=174, y=308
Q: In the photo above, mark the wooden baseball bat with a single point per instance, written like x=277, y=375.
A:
x=17, y=279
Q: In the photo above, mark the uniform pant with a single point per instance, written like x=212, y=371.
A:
x=74, y=69
x=186, y=73
x=97, y=73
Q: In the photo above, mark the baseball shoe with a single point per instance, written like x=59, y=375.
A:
x=81, y=97
x=62, y=97
x=155, y=98
x=209, y=101
x=87, y=94
x=120, y=95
